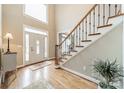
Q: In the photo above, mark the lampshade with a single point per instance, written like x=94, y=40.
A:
x=8, y=35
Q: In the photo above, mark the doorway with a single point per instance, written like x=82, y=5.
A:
x=35, y=45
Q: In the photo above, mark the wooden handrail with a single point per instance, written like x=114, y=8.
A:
x=78, y=24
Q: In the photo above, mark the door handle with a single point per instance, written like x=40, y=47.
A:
x=32, y=49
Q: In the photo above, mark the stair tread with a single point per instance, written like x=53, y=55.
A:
x=94, y=34
x=79, y=46
x=74, y=51
x=104, y=25
x=69, y=55
x=61, y=61
x=64, y=58
x=121, y=14
x=86, y=40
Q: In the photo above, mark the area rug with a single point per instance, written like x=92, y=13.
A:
x=40, y=85
x=39, y=66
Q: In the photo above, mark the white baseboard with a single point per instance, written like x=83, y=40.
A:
x=81, y=75
x=47, y=59
x=20, y=66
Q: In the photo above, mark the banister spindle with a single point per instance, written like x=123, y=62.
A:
x=70, y=45
x=72, y=42
x=65, y=47
x=73, y=38
x=103, y=14
x=79, y=35
x=86, y=29
x=109, y=10
x=98, y=15
x=115, y=9
x=83, y=30
x=90, y=23
x=62, y=47
x=76, y=37
x=59, y=52
x=94, y=21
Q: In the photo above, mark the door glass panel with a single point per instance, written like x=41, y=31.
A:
x=37, y=47
x=27, y=47
x=46, y=47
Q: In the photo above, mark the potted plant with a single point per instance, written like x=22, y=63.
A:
x=109, y=71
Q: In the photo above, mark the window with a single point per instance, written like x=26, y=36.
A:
x=38, y=11
x=37, y=47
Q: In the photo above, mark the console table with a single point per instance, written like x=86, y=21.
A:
x=9, y=63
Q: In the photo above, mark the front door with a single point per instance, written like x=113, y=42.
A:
x=34, y=47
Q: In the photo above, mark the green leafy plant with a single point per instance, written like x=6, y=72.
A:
x=110, y=72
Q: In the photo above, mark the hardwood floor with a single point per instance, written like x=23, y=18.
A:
x=58, y=78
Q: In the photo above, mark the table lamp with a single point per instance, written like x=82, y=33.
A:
x=8, y=36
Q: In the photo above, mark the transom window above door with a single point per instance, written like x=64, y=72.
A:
x=37, y=11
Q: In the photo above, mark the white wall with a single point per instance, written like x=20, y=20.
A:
x=109, y=46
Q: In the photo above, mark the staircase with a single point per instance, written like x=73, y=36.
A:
x=94, y=25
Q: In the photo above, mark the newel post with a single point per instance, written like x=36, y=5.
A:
x=56, y=56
